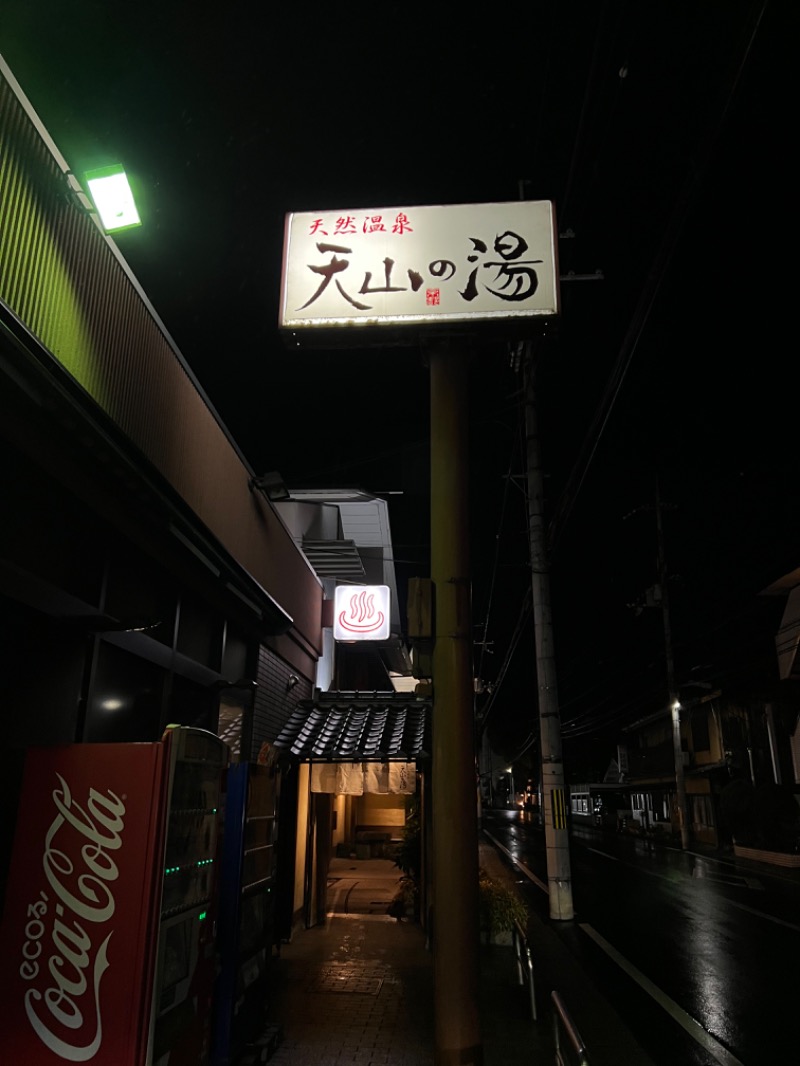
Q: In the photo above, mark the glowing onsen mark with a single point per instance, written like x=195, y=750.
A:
x=362, y=615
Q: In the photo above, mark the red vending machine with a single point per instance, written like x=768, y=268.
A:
x=107, y=941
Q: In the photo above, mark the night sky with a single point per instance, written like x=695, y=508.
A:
x=661, y=131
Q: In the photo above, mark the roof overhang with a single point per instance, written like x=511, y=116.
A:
x=358, y=727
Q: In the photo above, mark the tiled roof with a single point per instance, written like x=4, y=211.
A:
x=358, y=727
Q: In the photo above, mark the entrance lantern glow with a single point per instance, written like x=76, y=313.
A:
x=113, y=198
x=361, y=612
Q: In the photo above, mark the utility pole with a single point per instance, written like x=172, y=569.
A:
x=453, y=773
x=672, y=691
x=559, y=877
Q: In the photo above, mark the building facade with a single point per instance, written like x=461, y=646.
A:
x=145, y=577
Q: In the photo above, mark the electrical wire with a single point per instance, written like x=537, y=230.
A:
x=588, y=95
x=496, y=561
x=524, y=612
x=652, y=286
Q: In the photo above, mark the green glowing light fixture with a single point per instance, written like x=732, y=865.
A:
x=113, y=198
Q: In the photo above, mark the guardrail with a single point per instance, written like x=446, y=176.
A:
x=564, y=1028
x=522, y=953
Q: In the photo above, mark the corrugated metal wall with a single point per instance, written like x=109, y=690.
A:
x=56, y=274
x=66, y=282
x=275, y=698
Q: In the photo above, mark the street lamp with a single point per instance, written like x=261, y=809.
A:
x=660, y=598
x=113, y=198
x=680, y=784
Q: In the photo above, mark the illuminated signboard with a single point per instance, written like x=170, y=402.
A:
x=404, y=267
x=361, y=612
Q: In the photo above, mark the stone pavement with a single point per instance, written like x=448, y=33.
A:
x=359, y=989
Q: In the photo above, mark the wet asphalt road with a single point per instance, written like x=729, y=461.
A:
x=697, y=952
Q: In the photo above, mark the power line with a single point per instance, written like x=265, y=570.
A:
x=496, y=558
x=524, y=612
x=648, y=296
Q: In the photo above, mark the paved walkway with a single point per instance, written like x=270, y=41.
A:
x=359, y=989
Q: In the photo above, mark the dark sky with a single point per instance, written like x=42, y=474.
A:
x=661, y=131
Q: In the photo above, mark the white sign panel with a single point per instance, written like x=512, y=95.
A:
x=361, y=612
x=418, y=266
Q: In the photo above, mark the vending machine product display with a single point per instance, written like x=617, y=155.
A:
x=247, y=901
x=107, y=942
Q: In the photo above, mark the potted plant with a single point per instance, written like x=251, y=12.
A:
x=499, y=907
x=408, y=857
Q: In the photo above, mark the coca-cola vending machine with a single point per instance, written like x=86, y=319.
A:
x=107, y=951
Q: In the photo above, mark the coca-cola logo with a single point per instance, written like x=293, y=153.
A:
x=65, y=952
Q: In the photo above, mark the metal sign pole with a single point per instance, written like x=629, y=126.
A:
x=453, y=777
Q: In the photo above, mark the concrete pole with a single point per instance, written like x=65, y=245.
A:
x=453, y=776
x=674, y=702
x=559, y=877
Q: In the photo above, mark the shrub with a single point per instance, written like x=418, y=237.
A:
x=408, y=853
x=499, y=906
x=408, y=857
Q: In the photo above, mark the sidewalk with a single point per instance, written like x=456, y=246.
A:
x=360, y=988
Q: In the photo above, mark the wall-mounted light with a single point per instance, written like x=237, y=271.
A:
x=291, y=681
x=113, y=198
x=271, y=485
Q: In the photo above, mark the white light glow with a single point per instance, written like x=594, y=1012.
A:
x=113, y=198
x=362, y=612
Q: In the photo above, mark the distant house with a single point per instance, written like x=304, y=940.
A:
x=723, y=737
x=787, y=646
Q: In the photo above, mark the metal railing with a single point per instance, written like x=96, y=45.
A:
x=522, y=953
x=564, y=1029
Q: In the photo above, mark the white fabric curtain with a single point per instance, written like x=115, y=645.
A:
x=355, y=778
